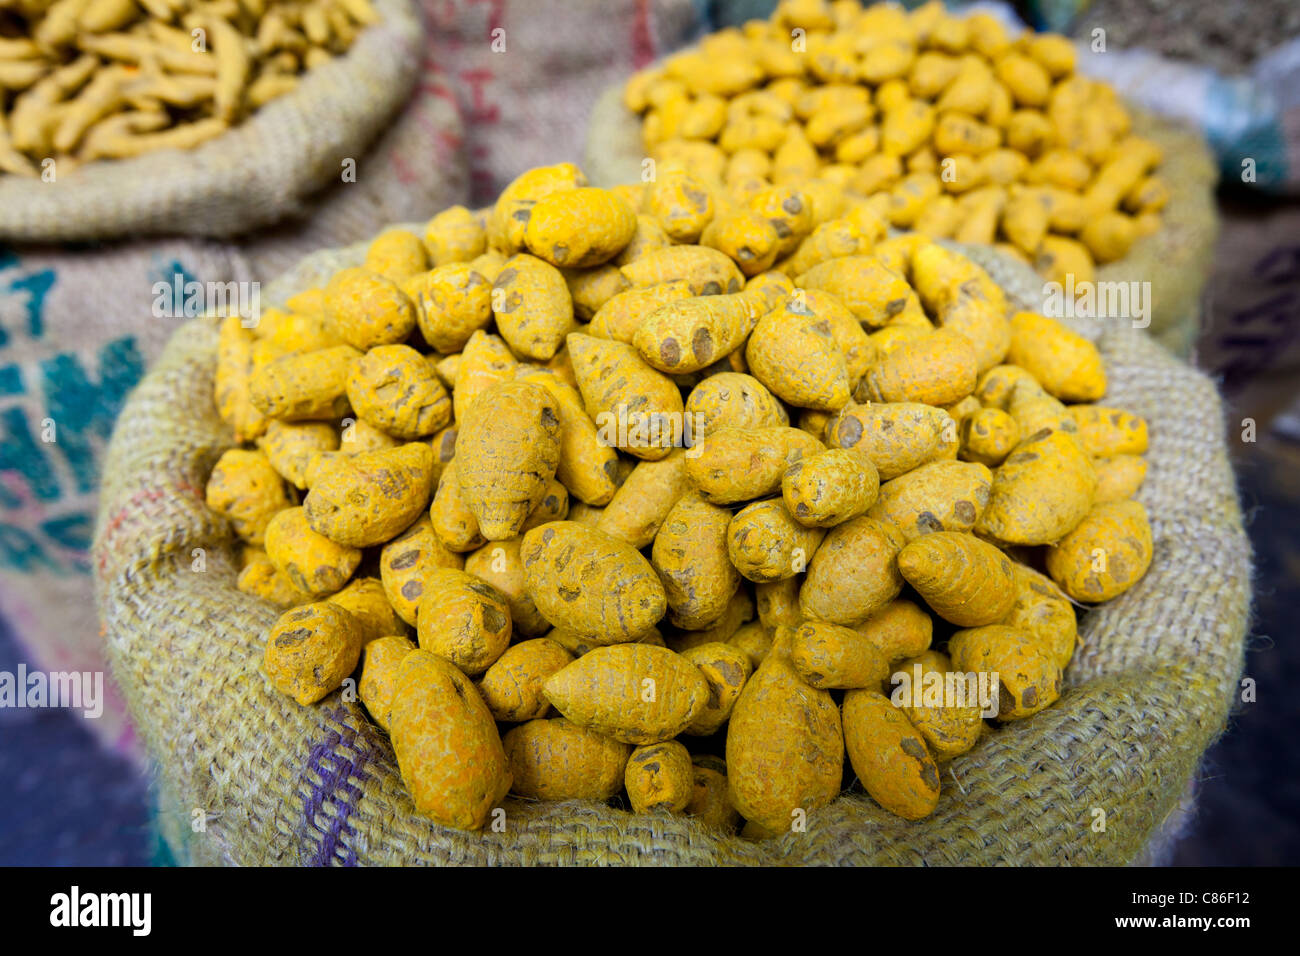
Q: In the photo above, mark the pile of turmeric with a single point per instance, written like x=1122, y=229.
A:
x=950, y=126
x=594, y=507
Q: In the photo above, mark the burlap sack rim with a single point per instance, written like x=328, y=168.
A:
x=232, y=184
x=319, y=785
x=1176, y=260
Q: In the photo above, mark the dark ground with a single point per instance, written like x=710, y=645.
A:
x=63, y=801
x=1248, y=812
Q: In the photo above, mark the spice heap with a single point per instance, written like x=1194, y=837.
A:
x=949, y=126
x=593, y=502
x=82, y=80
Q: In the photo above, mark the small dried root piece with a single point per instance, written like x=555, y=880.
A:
x=1107, y=553
x=366, y=499
x=1041, y=492
x=513, y=686
x=889, y=755
x=365, y=600
x=558, y=760
x=507, y=452
x=785, y=746
x=381, y=662
x=636, y=693
x=660, y=777
x=463, y=619
x=964, y=580
x=447, y=745
x=311, y=649
x=829, y=488
x=591, y=583
x=1030, y=678
x=854, y=573
x=726, y=668
x=830, y=656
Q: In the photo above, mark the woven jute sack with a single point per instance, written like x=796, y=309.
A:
x=247, y=776
x=1175, y=261
x=527, y=72
x=259, y=172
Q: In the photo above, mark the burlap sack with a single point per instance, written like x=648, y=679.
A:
x=261, y=171
x=1176, y=260
x=526, y=72
x=77, y=330
x=246, y=776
